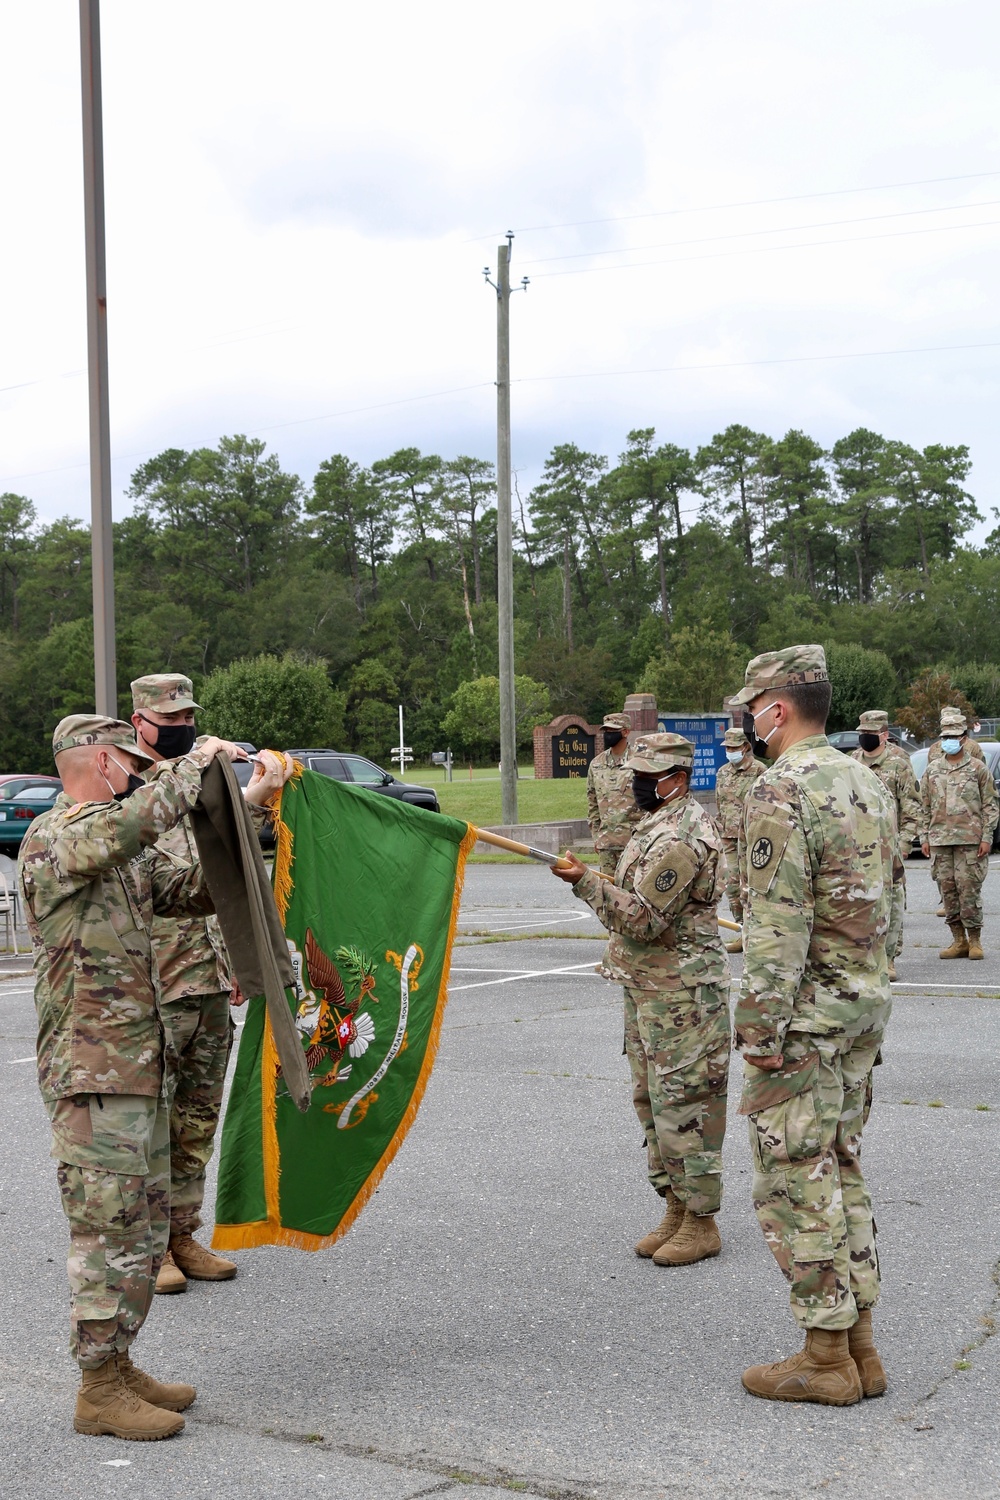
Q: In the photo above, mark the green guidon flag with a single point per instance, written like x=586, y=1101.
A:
x=368, y=889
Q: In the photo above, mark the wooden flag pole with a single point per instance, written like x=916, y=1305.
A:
x=556, y=861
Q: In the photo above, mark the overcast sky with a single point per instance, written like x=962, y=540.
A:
x=725, y=207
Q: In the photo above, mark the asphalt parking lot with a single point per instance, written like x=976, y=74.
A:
x=486, y=1328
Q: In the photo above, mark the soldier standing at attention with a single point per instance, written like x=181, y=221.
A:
x=893, y=769
x=732, y=784
x=814, y=1002
x=611, y=809
x=90, y=880
x=662, y=914
x=954, y=725
x=195, y=989
x=958, y=816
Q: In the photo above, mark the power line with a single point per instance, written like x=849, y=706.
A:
x=709, y=208
x=851, y=239
x=741, y=364
x=743, y=234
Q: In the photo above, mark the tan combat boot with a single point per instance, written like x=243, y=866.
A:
x=170, y=1277
x=736, y=946
x=959, y=946
x=892, y=971
x=107, y=1407
x=975, y=946
x=173, y=1396
x=865, y=1356
x=197, y=1262
x=697, y=1239
x=665, y=1230
x=823, y=1372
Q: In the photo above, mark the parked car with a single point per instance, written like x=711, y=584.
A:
x=16, y=813
x=991, y=754
x=13, y=784
x=361, y=772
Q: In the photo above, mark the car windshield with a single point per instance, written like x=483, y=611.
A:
x=37, y=794
x=18, y=787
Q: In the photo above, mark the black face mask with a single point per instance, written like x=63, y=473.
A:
x=644, y=792
x=758, y=746
x=613, y=737
x=172, y=739
x=868, y=741
x=134, y=783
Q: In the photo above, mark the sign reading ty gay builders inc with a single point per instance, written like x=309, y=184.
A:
x=572, y=751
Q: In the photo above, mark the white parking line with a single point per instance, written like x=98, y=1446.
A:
x=528, y=974
x=12, y=1060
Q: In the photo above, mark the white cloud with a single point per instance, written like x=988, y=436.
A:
x=293, y=191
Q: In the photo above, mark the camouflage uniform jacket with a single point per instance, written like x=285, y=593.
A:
x=90, y=883
x=190, y=953
x=958, y=802
x=661, y=910
x=611, y=809
x=732, y=785
x=974, y=748
x=818, y=843
x=896, y=774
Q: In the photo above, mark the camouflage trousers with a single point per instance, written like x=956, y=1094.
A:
x=199, y=1032
x=894, y=936
x=608, y=860
x=960, y=873
x=113, y=1159
x=808, y=1189
x=731, y=847
x=678, y=1044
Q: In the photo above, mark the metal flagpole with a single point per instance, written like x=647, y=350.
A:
x=105, y=685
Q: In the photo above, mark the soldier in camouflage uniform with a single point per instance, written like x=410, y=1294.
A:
x=611, y=809
x=954, y=725
x=732, y=784
x=892, y=767
x=818, y=848
x=195, y=989
x=662, y=913
x=958, y=817
x=90, y=880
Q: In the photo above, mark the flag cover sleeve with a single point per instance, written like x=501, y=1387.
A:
x=368, y=889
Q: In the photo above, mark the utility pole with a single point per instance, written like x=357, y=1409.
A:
x=102, y=556
x=505, y=541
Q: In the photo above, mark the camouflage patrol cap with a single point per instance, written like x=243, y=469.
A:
x=656, y=754
x=735, y=739
x=953, y=718
x=95, y=729
x=163, y=693
x=777, y=669
x=617, y=721
x=873, y=720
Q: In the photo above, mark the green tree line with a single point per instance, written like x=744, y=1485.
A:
x=662, y=568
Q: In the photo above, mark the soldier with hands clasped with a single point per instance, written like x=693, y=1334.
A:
x=732, y=784
x=818, y=848
x=662, y=914
x=892, y=767
x=611, y=809
x=958, y=817
x=91, y=880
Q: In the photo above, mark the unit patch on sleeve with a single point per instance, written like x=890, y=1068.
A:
x=667, y=878
x=766, y=840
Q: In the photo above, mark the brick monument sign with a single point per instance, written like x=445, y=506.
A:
x=567, y=745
